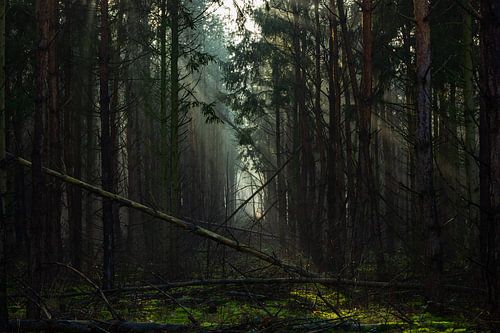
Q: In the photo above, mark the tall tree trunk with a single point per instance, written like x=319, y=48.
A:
x=349, y=56
x=336, y=233
x=424, y=165
x=469, y=112
x=490, y=154
x=410, y=108
x=389, y=178
x=175, y=189
x=136, y=88
x=53, y=143
x=4, y=314
x=90, y=165
x=88, y=111
x=297, y=193
x=174, y=107
x=350, y=81
x=106, y=147
x=73, y=105
x=320, y=194
x=37, y=230
x=366, y=182
x=114, y=118
x=164, y=183
x=282, y=218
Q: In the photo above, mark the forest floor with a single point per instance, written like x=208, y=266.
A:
x=269, y=308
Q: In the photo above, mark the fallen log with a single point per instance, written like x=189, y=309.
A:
x=326, y=281
x=308, y=277
x=191, y=227
x=90, y=326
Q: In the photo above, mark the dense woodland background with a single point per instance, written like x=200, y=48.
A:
x=337, y=139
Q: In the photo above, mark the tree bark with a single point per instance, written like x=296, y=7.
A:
x=280, y=186
x=4, y=314
x=164, y=183
x=54, y=149
x=490, y=154
x=106, y=147
x=37, y=230
x=469, y=112
x=175, y=198
x=73, y=106
x=424, y=157
x=336, y=233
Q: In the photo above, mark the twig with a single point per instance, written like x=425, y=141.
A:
x=191, y=318
x=114, y=314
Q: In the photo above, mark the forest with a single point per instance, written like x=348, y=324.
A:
x=249, y=166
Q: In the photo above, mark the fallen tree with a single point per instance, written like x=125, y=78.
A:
x=191, y=227
x=326, y=281
x=268, y=325
x=91, y=326
x=307, y=277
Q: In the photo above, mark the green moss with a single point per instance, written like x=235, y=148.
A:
x=309, y=303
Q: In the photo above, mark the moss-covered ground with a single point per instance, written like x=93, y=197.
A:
x=311, y=308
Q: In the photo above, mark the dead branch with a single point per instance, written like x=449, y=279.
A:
x=193, y=228
x=89, y=326
x=114, y=314
x=273, y=281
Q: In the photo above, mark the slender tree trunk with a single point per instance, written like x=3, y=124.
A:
x=20, y=190
x=424, y=166
x=366, y=183
x=350, y=81
x=349, y=56
x=297, y=193
x=164, y=195
x=413, y=229
x=53, y=144
x=336, y=233
x=389, y=179
x=4, y=314
x=37, y=231
x=469, y=111
x=349, y=171
x=106, y=147
x=307, y=226
x=90, y=167
x=87, y=93
x=135, y=110
x=282, y=219
x=319, y=195
x=114, y=119
x=490, y=154
x=443, y=155
x=73, y=105
x=175, y=189
x=174, y=107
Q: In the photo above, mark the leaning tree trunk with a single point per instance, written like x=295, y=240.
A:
x=424, y=160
